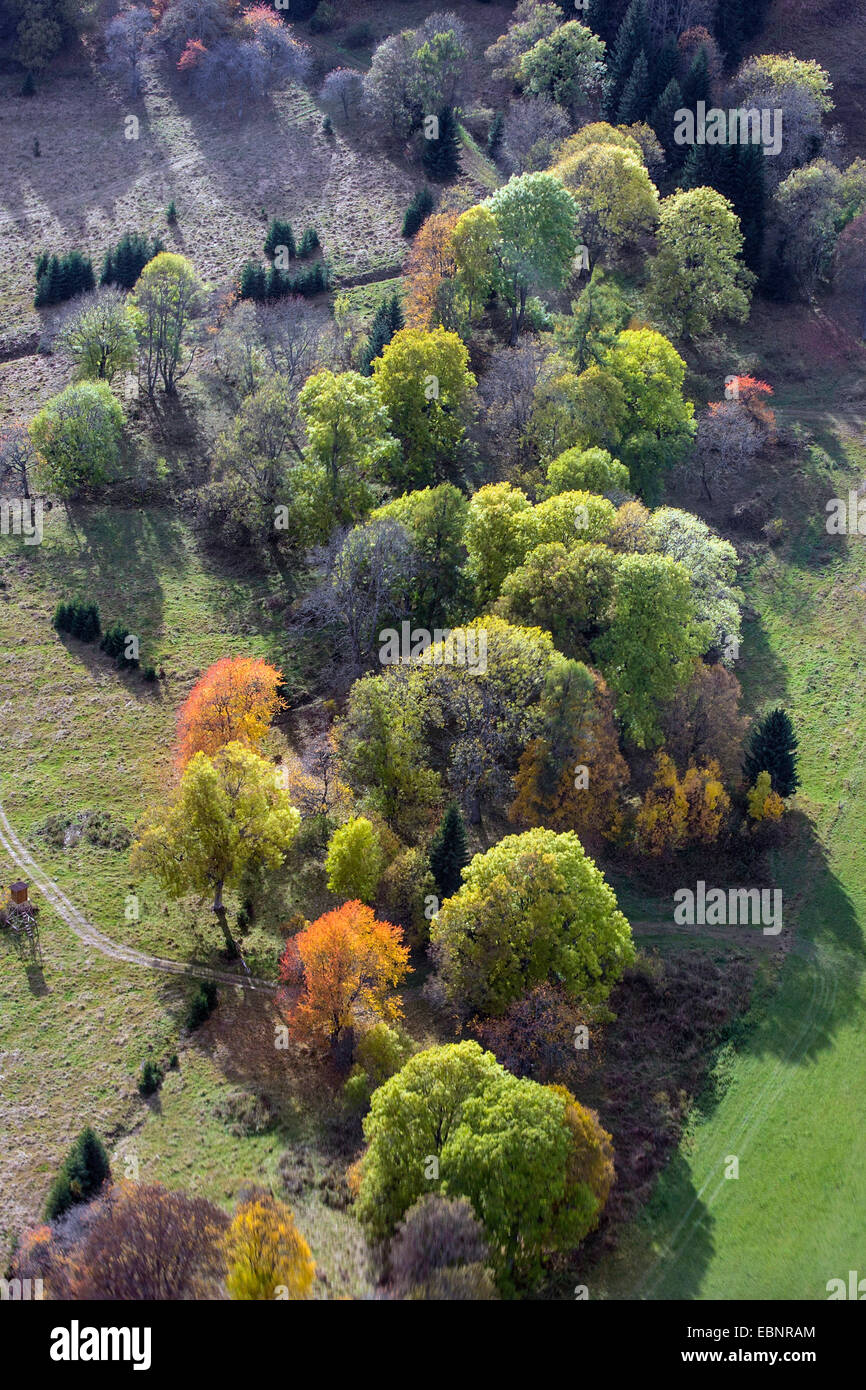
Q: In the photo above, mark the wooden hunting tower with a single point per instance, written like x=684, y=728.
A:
x=18, y=892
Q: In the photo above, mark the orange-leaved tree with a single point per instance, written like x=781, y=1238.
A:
x=348, y=963
x=235, y=699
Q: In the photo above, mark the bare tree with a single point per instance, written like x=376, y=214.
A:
x=533, y=126
x=370, y=571
x=507, y=391
x=341, y=92
x=728, y=438
x=17, y=457
x=127, y=39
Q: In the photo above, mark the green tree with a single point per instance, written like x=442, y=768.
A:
x=435, y=519
x=81, y=1175
x=449, y=852
x=565, y=591
x=696, y=83
x=474, y=242
x=441, y=156
x=383, y=751
x=493, y=537
x=532, y=907
x=712, y=567
x=697, y=277
x=632, y=39
x=660, y=422
x=653, y=641
x=591, y=470
x=567, y=66
x=77, y=437
x=600, y=312
x=636, y=94
x=167, y=294
x=613, y=194
x=99, y=338
x=773, y=748
x=663, y=121
x=355, y=860
x=227, y=815
x=535, y=217
x=424, y=383
x=349, y=443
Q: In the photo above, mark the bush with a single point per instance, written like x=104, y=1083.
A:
x=262, y=285
x=494, y=135
x=327, y=125
x=436, y=1234
x=149, y=673
x=279, y=234
x=359, y=36
x=201, y=1005
x=124, y=262
x=83, y=1172
x=417, y=212
x=171, y=213
x=62, y=277
x=150, y=1079
x=62, y=831
x=28, y=86
x=114, y=645
x=78, y=618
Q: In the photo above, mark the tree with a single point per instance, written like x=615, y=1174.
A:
x=763, y=803
x=81, y=1175
x=533, y=127
x=812, y=206
x=535, y=218
x=532, y=906
x=370, y=581
x=455, y=1106
x=712, y=566
x=597, y=316
x=126, y=41
x=146, y=1243
x=494, y=538
x=773, y=748
x=663, y=121
x=257, y=448
x=632, y=39
x=800, y=88
x=565, y=591
x=703, y=722
x=348, y=963
x=696, y=83
x=614, y=198
x=449, y=852
x=637, y=93
x=531, y=21
x=589, y=470
x=441, y=153
x=425, y=385
x=439, y=1251
x=235, y=700
x=567, y=66
x=77, y=437
x=473, y=243
x=203, y=21
x=16, y=459
x=167, y=295
x=355, y=860
x=98, y=335
x=430, y=270
x=577, y=411
x=228, y=815
x=342, y=91
x=677, y=813
x=698, y=277
x=349, y=443
x=266, y=1254
x=435, y=520
x=660, y=423
x=653, y=640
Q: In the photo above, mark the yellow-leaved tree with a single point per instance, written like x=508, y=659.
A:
x=267, y=1257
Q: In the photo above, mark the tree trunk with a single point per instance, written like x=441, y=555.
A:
x=220, y=913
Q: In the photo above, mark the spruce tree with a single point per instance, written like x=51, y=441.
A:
x=83, y=1172
x=633, y=37
x=696, y=83
x=449, y=852
x=441, y=157
x=663, y=122
x=749, y=196
x=664, y=67
x=636, y=96
x=396, y=319
x=773, y=748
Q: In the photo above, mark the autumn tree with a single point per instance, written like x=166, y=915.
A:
x=266, y=1254
x=430, y=271
x=658, y=424
x=615, y=199
x=703, y=722
x=348, y=963
x=235, y=699
x=530, y=22
x=167, y=295
x=533, y=905
x=355, y=860
x=534, y=125
x=349, y=444
x=97, y=334
x=125, y=42
x=698, y=278
x=435, y=520
x=439, y=1251
x=764, y=804
x=675, y=813
x=425, y=385
x=146, y=1243
x=227, y=815
x=566, y=65
x=589, y=470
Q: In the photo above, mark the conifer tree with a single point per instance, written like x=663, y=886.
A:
x=773, y=748
x=696, y=83
x=83, y=1172
x=633, y=37
x=663, y=121
x=449, y=852
x=636, y=96
x=441, y=157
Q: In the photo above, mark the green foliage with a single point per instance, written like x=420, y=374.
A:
x=100, y=338
x=566, y=591
x=201, y=1005
x=114, y=644
x=536, y=222
x=637, y=93
x=698, y=278
x=62, y=277
x=435, y=518
x=441, y=156
x=349, y=443
x=449, y=852
x=387, y=321
x=355, y=860
x=590, y=470
x=279, y=233
x=77, y=437
x=425, y=385
x=81, y=1175
x=308, y=243
x=124, y=262
x=711, y=564
x=567, y=66
x=418, y=211
x=660, y=422
x=78, y=618
x=264, y=285
x=151, y=1077
x=532, y=907
x=773, y=748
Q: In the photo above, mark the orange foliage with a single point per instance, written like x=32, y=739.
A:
x=191, y=56
x=348, y=962
x=431, y=261
x=235, y=699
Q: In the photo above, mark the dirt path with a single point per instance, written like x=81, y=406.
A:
x=93, y=937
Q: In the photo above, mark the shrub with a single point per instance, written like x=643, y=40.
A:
x=260, y=284
x=494, y=135
x=81, y=1175
x=327, y=125
x=201, y=1005
x=436, y=1234
x=308, y=243
x=124, y=262
x=151, y=1077
x=171, y=213
x=62, y=277
x=114, y=645
x=78, y=618
x=279, y=234
x=417, y=212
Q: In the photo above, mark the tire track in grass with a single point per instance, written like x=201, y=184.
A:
x=96, y=939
